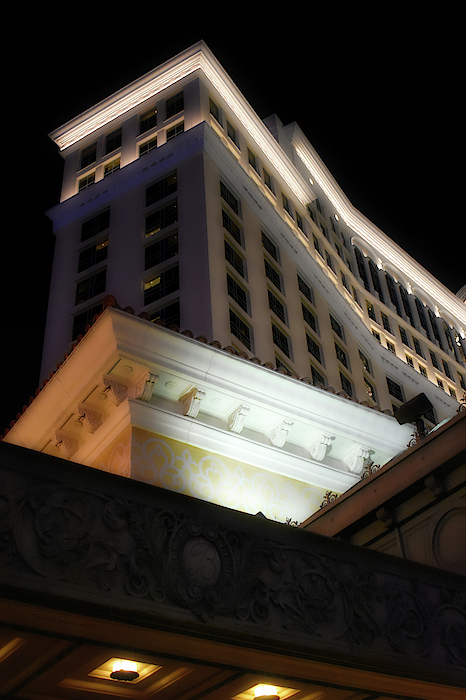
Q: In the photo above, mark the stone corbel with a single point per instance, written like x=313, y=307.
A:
x=66, y=444
x=144, y=388
x=192, y=402
x=279, y=434
x=89, y=418
x=237, y=418
x=116, y=391
x=355, y=459
x=318, y=449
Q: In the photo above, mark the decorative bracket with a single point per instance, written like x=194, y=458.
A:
x=279, y=434
x=318, y=449
x=192, y=402
x=89, y=418
x=355, y=459
x=237, y=418
x=117, y=392
x=144, y=388
x=66, y=443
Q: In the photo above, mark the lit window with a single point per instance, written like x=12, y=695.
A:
x=391, y=347
x=341, y=355
x=86, y=182
x=111, y=167
x=148, y=146
x=370, y=391
x=423, y=370
x=175, y=131
x=161, y=285
x=409, y=360
x=365, y=362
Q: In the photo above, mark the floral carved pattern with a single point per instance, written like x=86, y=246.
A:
x=172, y=556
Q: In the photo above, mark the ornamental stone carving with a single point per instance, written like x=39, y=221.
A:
x=319, y=447
x=356, y=458
x=192, y=402
x=279, y=434
x=66, y=444
x=89, y=418
x=237, y=418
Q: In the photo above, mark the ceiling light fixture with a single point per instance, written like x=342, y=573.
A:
x=124, y=670
x=265, y=692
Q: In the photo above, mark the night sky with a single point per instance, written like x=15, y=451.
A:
x=381, y=104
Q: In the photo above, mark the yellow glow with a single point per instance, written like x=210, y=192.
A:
x=262, y=690
x=125, y=665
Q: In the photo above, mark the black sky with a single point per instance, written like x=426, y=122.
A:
x=379, y=100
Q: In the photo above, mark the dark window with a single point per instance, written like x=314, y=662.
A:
x=169, y=314
x=86, y=182
x=422, y=316
x=371, y=311
x=406, y=304
x=433, y=323
x=313, y=348
x=309, y=317
x=276, y=306
x=168, y=185
x=229, y=198
x=231, y=132
x=446, y=369
x=268, y=180
x=160, y=251
x=234, y=258
x=404, y=336
x=88, y=155
x=174, y=105
x=161, y=218
x=375, y=279
x=273, y=275
x=113, y=141
x=240, y=329
x=175, y=131
x=346, y=385
x=148, y=146
x=394, y=389
x=341, y=355
x=231, y=227
x=286, y=205
x=252, y=160
x=91, y=256
x=391, y=286
x=214, y=110
x=317, y=378
x=237, y=293
x=90, y=287
x=336, y=326
x=148, y=121
x=165, y=283
x=95, y=225
x=280, y=340
x=433, y=357
x=365, y=362
x=417, y=347
x=269, y=246
x=317, y=245
x=361, y=268
x=305, y=289
x=386, y=322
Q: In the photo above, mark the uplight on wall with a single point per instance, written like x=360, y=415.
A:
x=265, y=692
x=124, y=670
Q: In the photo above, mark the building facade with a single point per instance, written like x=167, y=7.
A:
x=182, y=203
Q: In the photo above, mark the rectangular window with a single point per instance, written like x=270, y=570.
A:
x=386, y=322
x=371, y=311
x=317, y=245
x=433, y=357
x=329, y=260
x=237, y=293
x=240, y=329
x=346, y=385
x=452, y=392
x=160, y=219
x=232, y=227
x=404, y=336
x=174, y=105
x=280, y=340
x=268, y=180
x=88, y=155
x=175, y=131
x=148, y=120
x=376, y=335
x=86, y=182
x=391, y=347
x=409, y=360
x=362, y=268
x=341, y=355
x=90, y=287
x=406, y=303
x=96, y=225
x=336, y=326
x=462, y=381
x=365, y=362
x=305, y=289
x=253, y=161
x=111, y=167
x=91, y=256
x=161, y=285
x=170, y=314
x=446, y=369
x=440, y=383
x=148, y=146
x=276, y=306
x=417, y=347
x=309, y=318
x=160, y=251
x=394, y=389
x=287, y=205
x=317, y=378
x=273, y=275
x=234, y=258
x=370, y=391
x=270, y=247
x=231, y=133
x=423, y=370
x=374, y=270
x=229, y=198
x=300, y=223
x=314, y=348
x=215, y=112
x=168, y=185
x=113, y=141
